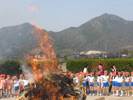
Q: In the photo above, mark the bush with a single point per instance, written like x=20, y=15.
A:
x=11, y=67
x=78, y=65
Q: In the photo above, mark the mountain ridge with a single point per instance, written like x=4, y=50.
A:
x=107, y=32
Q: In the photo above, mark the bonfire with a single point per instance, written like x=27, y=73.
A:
x=49, y=83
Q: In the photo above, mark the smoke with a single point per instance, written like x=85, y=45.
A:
x=33, y=9
x=26, y=70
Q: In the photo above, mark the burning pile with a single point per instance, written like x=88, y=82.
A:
x=48, y=85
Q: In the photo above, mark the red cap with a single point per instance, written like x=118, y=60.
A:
x=113, y=73
x=69, y=73
x=91, y=73
x=8, y=76
x=25, y=75
x=132, y=72
x=106, y=72
x=4, y=75
x=98, y=73
x=127, y=73
x=0, y=75
x=86, y=73
x=21, y=75
x=119, y=73
x=15, y=77
x=77, y=74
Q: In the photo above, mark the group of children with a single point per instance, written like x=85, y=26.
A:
x=8, y=84
x=116, y=80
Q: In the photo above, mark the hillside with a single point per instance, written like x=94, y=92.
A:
x=106, y=32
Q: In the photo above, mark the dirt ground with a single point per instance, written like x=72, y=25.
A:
x=94, y=98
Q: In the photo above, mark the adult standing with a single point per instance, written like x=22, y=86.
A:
x=86, y=68
x=100, y=69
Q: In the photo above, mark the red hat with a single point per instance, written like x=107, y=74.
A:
x=8, y=76
x=25, y=75
x=113, y=73
x=98, y=73
x=119, y=73
x=91, y=73
x=81, y=73
x=127, y=73
x=21, y=75
x=106, y=72
x=77, y=74
x=2, y=75
x=69, y=73
x=86, y=73
x=15, y=77
x=132, y=72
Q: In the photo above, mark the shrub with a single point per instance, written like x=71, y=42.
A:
x=78, y=65
x=11, y=67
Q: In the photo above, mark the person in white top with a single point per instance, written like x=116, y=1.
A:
x=16, y=87
x=119, y=79
x=127, y=80
x=132, y=82
x=21, y=83
x=91, y=83
x=99, y=84
x=26, y=81
x=86, y=68
x=114, y=82
x=84, y=82
x=105, y=79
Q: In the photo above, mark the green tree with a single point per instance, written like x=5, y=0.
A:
x=11, y=67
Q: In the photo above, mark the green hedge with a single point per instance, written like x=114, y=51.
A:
x=78, y=65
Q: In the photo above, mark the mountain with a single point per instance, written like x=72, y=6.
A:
x=106, y=33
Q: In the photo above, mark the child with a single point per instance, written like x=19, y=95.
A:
x=91, y=83
x=16, y=87
x=105, y=79
x=9, y=85
x=99, y=84
x=132, y=82
x=127, y=80
x=84, y=82
x=26, y=82
x=0, y=86
x=76, y=78
x=114, y=83
x=21, y=83
x=119, y=83
x=3, y=83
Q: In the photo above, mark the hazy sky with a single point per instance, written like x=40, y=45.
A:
x=57, y=15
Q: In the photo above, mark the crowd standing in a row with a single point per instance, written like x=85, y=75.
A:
x=116, y=79
x=7, y=84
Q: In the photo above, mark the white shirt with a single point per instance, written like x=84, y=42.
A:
x=26, y=82
x=16, y=83
x=84, y=79
x=85, y=70
x=88, y=78
x=91, y=79
x=127, y=79
x=99, y=78
x=21, y=81
x=106, y=78
x=131, y=79
x=119, y=79
x=114, y=78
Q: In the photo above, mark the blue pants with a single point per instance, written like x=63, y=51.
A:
x=126, y=84
x=119, y=84
x=85, y=84
x=114, y=83
x=92, y=85
x=105, y=84
x=16, y=88
x=131, y=83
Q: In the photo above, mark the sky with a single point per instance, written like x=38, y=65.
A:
x=56, y=15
